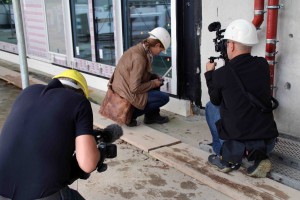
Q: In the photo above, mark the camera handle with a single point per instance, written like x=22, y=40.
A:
x=102, y=167
x=212, y=59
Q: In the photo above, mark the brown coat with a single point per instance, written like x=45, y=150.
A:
x=132, y=76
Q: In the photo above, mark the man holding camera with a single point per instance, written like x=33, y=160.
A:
x=46, y=125
x=238, y=127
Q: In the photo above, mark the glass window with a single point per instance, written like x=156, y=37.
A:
x=81, y=29
x=104, y=32
x=7, y=24
x=55, y=26
x=143, y=16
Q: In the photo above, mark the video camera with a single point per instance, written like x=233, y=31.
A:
x=104, y=139
x=220, y=42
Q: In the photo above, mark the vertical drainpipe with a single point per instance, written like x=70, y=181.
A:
x=21, y=43
x=271, y=34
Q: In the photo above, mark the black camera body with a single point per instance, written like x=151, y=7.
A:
x=219, y=41
x=106, y=151
x=162, y=81
x=104, y=139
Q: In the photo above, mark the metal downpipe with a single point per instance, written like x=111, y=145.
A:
x=271, y=34
x=258, y=13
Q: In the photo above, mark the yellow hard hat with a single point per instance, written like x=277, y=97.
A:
x=77, y=76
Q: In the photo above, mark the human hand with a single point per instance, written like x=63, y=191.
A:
x=210, y=66
x=154, y=76
x=157, y=83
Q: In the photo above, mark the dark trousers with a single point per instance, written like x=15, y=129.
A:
x=64, y=194
x=156, y=99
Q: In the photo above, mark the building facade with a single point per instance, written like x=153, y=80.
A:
x=91, y=35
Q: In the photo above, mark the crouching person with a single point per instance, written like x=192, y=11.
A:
x=234, y=121
x=47, y=123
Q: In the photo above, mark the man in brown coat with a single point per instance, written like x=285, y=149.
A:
x=134, y=80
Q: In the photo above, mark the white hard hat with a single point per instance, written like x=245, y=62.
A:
x=162, y=35
x=241, y=31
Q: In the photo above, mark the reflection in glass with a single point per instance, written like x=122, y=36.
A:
x=7, y=23
x=142, y=17
x=104, y=32
x=55, y=26
x=81, y=29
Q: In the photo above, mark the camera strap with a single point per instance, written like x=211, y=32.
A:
x=255, y=102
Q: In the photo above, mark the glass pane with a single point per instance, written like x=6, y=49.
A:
x=104, y=32
x=55, y=26
x=81, y=29
x=7, y=24
x=145, y=16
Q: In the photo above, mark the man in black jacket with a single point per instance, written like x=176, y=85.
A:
x=246, y=130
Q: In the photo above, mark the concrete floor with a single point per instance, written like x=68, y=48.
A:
x=134, y=174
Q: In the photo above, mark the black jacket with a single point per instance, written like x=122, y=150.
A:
x=239, y=119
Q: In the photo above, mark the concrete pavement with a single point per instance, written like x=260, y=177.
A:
x=177, y=146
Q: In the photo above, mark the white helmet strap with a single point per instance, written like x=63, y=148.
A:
x=69, y=83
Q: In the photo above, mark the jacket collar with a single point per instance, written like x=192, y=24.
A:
x=237, y=58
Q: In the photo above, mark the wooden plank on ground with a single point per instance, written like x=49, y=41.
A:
x=236, y=184
x=141, y=136
x=15, y=77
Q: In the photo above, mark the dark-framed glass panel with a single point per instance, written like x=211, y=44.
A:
x=7, y=22
x=104, y=32
x=55, y=26
x=140, y=17
x=81, y=29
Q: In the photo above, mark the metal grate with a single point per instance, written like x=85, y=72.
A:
x=285, y=170
x=288, y=147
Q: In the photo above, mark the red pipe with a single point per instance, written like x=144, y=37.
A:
x=271, y=33
x=258, y=13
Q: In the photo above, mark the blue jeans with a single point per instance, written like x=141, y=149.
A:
x=212, y=114
x=156, y=99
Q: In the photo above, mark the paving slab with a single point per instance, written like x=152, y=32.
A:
x=140, y=136
x=15, y=78
x=236, y=184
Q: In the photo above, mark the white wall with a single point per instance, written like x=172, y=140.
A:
x=287, y=115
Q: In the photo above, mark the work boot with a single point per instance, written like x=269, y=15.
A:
x=156, y=118
x=260, y=169
x=132, y=123
x=215, y=161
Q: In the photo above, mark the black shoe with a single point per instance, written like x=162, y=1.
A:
x=156, y=119
x=260, y=169
x=215, y=161
x=132, y=123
